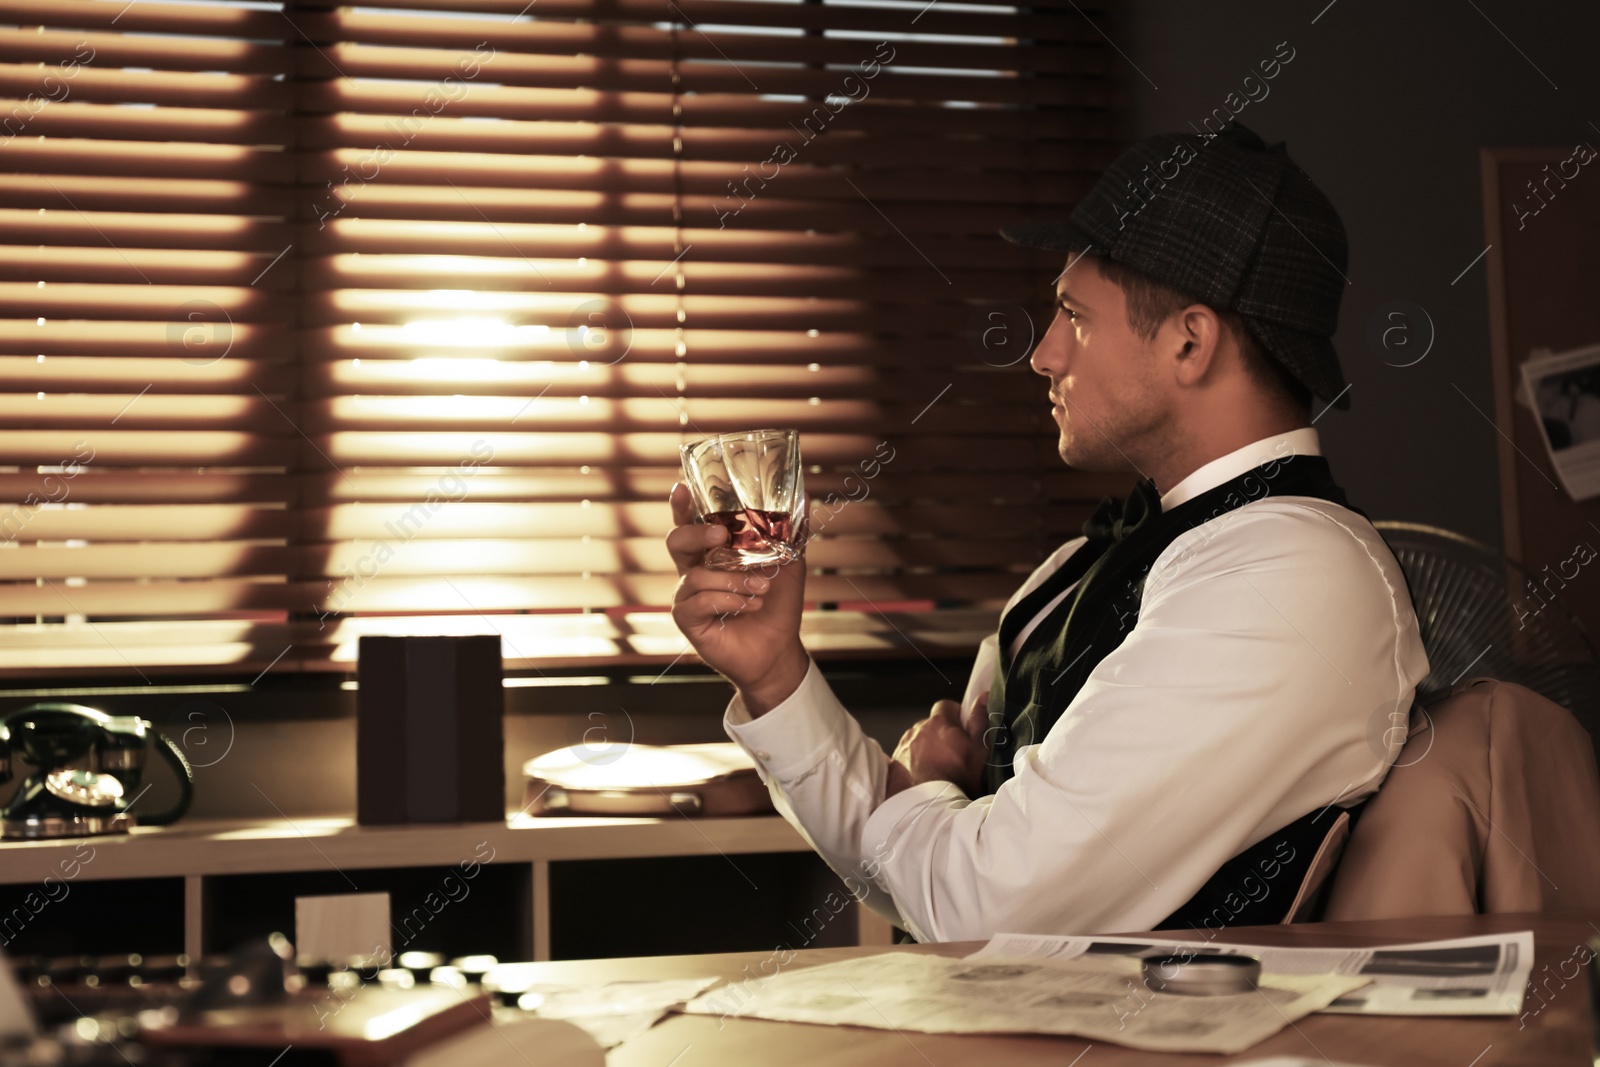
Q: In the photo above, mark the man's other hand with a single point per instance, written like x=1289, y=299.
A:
x=944, y=747
x=746, y=623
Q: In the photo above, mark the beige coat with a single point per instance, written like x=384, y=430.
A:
x=1492, y=806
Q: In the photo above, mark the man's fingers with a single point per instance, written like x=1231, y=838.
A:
x=688, y=540
x=944, y=723
x=703, y=579
x=710, y=604
x=687, y=544
x=976, y=719
x=682, y=504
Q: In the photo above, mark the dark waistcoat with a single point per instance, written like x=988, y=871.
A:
x=1033, y=690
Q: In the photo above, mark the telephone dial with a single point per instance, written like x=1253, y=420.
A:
x=62, y=800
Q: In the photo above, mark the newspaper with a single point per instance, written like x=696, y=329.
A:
x=610, y=1013
x=1467, y=976
x=1099, y=997
x=1564, y=392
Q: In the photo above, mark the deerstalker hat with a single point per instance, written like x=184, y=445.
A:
x=1231, y=221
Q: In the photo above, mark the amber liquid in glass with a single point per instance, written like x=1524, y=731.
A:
x=754, y=537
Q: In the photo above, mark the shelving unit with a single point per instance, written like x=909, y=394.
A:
x=684, y=874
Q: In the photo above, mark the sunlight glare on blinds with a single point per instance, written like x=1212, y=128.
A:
x=318, y=321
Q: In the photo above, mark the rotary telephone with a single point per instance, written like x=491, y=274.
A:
x=61, y=800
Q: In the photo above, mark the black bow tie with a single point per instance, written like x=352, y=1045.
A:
x=1115, y=519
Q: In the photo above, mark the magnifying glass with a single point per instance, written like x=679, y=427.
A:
x=1201, y=976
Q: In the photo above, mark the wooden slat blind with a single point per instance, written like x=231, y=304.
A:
x=318, y=321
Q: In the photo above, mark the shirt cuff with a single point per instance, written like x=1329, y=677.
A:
x=796, y=735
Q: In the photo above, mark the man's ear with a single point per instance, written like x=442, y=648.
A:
x=1192, y=339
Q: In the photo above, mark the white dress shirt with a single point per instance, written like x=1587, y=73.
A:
x=1274, y=650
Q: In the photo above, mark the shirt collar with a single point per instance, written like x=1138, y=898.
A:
x=1301, y=442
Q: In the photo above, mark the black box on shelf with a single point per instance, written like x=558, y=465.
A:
x=430, y=738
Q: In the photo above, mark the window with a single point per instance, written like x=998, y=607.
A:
x=322, y=321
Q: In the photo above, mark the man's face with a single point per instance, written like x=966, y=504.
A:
x=1103, y=386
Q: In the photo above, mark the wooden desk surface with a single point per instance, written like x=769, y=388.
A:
x=1555, y=1030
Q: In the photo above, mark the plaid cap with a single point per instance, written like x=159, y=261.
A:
x=1232, y=221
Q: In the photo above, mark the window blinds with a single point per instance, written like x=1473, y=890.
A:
x=320, y=321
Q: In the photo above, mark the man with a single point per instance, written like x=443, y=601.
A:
x=1174, y=702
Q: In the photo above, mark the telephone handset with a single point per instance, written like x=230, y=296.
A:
x=60, y=800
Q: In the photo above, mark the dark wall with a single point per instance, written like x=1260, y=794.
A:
x=1386, y=106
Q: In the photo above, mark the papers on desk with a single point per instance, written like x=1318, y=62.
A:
x=611, y=1013
x=1098, y=997
x=1468, y=976
x=1091, y=987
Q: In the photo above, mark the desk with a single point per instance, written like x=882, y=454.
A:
x=1558, y=1035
